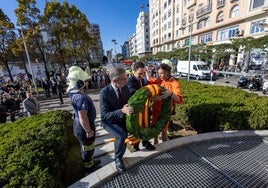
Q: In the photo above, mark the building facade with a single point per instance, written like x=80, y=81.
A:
x=176, y=24
x=96, y=51
x=133, y=45
x=125, y=50
x=143, y=34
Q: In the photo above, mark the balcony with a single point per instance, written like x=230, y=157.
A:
x=204, y=10
x=220, y=3
x=190, y=4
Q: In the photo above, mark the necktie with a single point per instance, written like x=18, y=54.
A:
x=120, y=97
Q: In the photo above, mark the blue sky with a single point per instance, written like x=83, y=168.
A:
x=116, y=18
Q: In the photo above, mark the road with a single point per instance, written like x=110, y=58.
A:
x=230, y=81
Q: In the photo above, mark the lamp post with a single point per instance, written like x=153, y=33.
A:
x=29, y=61
x=190, y=48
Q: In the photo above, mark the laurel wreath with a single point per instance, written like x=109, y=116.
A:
x=137, y=101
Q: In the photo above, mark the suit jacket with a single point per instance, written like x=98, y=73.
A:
x=45, y=85
x=133, y=84
x=110, y=108
x=30, y=107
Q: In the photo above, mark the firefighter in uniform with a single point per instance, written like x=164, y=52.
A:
x=84, y=116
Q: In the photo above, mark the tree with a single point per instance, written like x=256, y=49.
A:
x=69, y=33
x=28, y=16
x=7, y=39
x=222, y=51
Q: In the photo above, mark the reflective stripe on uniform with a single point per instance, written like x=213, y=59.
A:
x=89, y=164
x=88, y=147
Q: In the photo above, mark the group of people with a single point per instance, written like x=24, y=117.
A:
x=11, y=97
x=54, y=87
x=114, y=108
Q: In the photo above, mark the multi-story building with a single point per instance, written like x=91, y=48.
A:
x=175, y=24
x=143, y=34
x=96, y=51
x=165, y=18
x=125, y=50
x=133, y=45
x=109, y=55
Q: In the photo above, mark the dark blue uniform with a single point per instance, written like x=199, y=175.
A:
x=82, y=101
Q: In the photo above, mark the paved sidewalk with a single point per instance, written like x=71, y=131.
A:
x=219, y=159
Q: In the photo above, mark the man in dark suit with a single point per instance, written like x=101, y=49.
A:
x=113, y=108
x=135, y=82
x=46, y=86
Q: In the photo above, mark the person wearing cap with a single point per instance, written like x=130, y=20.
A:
x=172, y=87
x=84, y=116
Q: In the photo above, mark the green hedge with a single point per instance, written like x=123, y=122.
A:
x=210, y=108
x=33, y=150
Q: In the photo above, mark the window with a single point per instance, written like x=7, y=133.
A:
x=207, y=22
x=220, y=17
x=234, y=11
x=169, y=24
x=165, y=27
x=169, y=12
x=257, y=3
x=257, y=27
x=165, y=5
x=177, y=21
x=205, y=38
x=178, y=9
x=227, y=33
x=165, y=16
x=177, y=32
x=199, y=25
x=187, y=42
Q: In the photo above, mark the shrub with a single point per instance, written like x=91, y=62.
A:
x=210, y=108
x=33, y=150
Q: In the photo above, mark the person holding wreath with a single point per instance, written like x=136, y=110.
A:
x=135, y=82
x=172, y=87
x=113, y=110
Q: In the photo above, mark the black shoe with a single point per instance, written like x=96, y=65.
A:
x=149, y=147
x=96, y=161
x=120, y=167
x=136, y=147
x=92, y=169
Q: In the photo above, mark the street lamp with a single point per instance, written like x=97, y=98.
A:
x=29, y=61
